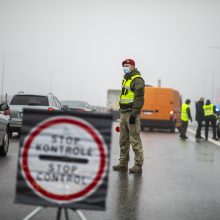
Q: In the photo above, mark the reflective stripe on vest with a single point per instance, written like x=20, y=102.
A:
x=127, y=95
x=208, y=109
x=184, y=115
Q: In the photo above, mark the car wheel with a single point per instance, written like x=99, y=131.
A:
x=10, y=134
x=5, y=145
x=19, y=134
x=172, y=129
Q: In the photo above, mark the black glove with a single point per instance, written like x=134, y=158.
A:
x=132, y=120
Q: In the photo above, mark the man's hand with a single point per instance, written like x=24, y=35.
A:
x=132, y=120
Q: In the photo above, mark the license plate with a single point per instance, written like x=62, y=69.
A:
x=148, y=113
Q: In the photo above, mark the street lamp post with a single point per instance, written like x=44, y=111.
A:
x=213, y=85
x=3, y=72
x=212, y=82
x=51, y=81
x=213, y=76
x=51, y=78
x=3, y=75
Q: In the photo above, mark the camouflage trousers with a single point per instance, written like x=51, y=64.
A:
x=130, y=135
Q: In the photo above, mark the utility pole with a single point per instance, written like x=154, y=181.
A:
x=213, y=85
x=3, y=75
x=213, y=74
x=51, y=81
x=51, y=78
x=159, y=82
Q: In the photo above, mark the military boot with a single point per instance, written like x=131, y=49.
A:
x=136, y=169
x=120, y=167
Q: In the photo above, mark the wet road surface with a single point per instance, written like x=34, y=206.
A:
x=180, y=180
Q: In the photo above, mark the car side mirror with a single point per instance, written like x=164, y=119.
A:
x=65, y=107
x=4, y=107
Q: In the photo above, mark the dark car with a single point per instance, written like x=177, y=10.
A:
x=75, y=105
x=4, y=130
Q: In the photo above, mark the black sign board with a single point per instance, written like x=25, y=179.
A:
x=64, y=159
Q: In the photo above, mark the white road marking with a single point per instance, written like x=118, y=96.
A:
x=210, y=140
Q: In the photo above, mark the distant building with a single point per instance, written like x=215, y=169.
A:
x=218, y=97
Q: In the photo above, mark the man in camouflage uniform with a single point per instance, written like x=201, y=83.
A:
x=131, y=103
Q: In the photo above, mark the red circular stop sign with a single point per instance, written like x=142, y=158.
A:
x=64, y=159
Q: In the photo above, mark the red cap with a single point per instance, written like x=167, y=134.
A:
x=128, y=61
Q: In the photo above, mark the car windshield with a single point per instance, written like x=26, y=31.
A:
x=75, y=104
x=29, y=100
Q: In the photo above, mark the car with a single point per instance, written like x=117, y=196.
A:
x=33, y=101
x=75, y=105
x=217, y=114
x=4, y=130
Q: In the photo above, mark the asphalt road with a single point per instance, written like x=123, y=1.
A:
x=180, y=180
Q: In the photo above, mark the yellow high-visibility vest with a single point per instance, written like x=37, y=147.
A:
x=184, y=115
x=208, y=109
x=127, y=95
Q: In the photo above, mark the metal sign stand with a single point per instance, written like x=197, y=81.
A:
x=58, y=216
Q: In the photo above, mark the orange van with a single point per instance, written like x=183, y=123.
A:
x=161, y=108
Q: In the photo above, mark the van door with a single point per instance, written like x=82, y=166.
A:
x=163, y=105
x=149, y=103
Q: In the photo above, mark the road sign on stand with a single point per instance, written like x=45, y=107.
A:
x=63, y=159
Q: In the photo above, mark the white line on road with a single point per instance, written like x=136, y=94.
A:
x=210, y=140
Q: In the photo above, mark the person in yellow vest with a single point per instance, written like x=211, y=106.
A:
x=209, y=112
x=131, y=103
x=185, y=117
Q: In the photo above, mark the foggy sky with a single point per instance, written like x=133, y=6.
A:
x=74, y=48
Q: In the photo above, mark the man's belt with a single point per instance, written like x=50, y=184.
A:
x=125, y=106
